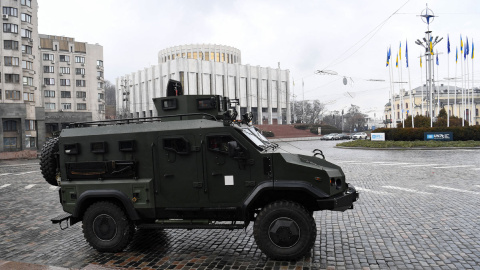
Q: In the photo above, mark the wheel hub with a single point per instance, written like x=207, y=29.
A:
x=284, y=232
x=104, y=227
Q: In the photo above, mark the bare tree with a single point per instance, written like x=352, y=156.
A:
x=309, y=112
x=354, y=119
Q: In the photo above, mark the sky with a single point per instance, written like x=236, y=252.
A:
x=348, y=37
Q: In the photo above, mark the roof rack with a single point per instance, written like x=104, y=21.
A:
x=127, y=121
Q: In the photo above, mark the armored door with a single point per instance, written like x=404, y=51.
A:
x=178, y=177
x=228, y=176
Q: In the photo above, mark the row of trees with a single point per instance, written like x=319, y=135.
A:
x=314, y=112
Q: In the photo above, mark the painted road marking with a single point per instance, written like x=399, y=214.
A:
x=30, y=186
x=25, y=173
x=408, y=190
x=456, y=166
x=455, y=189
x=393, y=164
x=2, y=174
x=423, y=165
x=25, y=164
x=4, y=186
x=372, y=191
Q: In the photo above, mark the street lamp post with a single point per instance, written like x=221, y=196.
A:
x=126, y=97
x=429, y=43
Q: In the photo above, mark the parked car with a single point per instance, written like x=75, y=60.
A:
x=329, y=137
x=360, y=135
x=344, y=136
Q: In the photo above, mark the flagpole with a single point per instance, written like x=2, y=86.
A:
x=473, y=90
x=438, y=88
x=448, y=83
x=455, y=102
x=463, y=85
x=421, y=84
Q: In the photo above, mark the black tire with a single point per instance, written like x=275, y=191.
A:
x=48, y=161
x=285, y=230
x=107, y=228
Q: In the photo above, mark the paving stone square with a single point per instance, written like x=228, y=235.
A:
x=418, y=209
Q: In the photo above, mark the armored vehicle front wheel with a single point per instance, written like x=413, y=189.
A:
x=48, y=161
x=285, y=230
x=106, y=227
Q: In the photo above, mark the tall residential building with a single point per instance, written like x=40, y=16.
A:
x=71, y=82
x=46, y=81
x=207, y=69
x=19, y=76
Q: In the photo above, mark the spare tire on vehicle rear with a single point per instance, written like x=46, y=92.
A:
x=48, y=161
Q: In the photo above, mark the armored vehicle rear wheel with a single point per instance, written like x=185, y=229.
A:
x=48, y=161
x=106, y=227
x=285, y=230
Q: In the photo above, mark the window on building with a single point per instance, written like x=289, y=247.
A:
x=49, y=106
x=49, y=93
x=81, y=94
x=476, y=112
x=26, y=33
x=100, y=63
x=207, y=56
x=79, y=59
x=65, y=94
x=48, y=57
x=10, y=143
x=80, y=83
x=64, y=70
x=0, y=94
x=29, y=124
x=11, y=61
x=12, y=78
x=65, y=82
x=101, y=96
x=9, y=125
x=27, y=3
x=406, y=105
x=100, y=73
x=28, y=97
x=67, y=106
x=10, y=11
x=48, y=69
x=49, y=81
x=81, y=106
x=27, y=65
x=64, y=58
x=80, y=71
x=10, y=28
x=101, y=107
x=27, y=81
x=30, y=142
x=26, y=18
x=12, y=94
x=100, y=85
x=26, y=49
x=10, y=45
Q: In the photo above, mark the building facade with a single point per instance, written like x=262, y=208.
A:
x=455, y=100
x=72, y=82
x=206, y=69
x=45, y=81
x=19, y=78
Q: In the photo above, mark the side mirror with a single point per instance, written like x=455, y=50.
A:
x=233, y=149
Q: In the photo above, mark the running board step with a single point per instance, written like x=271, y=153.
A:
x=190, y=226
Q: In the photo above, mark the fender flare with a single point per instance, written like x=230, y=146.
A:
x=105, y=194
x=279, y=186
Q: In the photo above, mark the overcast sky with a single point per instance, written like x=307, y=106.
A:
x=349, y=37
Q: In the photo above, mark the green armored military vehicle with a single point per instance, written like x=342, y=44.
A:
x=193, y=167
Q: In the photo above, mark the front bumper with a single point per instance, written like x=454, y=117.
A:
x=340, y=202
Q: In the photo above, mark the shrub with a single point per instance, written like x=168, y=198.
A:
x=412, y=134
x=326, y=129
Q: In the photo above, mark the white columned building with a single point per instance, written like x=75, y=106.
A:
x=205, y=69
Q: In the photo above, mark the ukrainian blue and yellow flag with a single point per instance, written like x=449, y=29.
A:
x=400, y=51
x=396, y=63
x=472, y=49
x=437, y=58
x=456, y=55
x=388, y=57
x=420, y=61
x=461, y=45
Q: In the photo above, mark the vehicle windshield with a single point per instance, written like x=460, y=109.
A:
x=256, y=137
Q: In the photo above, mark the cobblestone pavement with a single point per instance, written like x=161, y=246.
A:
x=418, y=209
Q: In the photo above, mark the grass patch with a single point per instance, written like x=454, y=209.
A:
x=409, y=144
